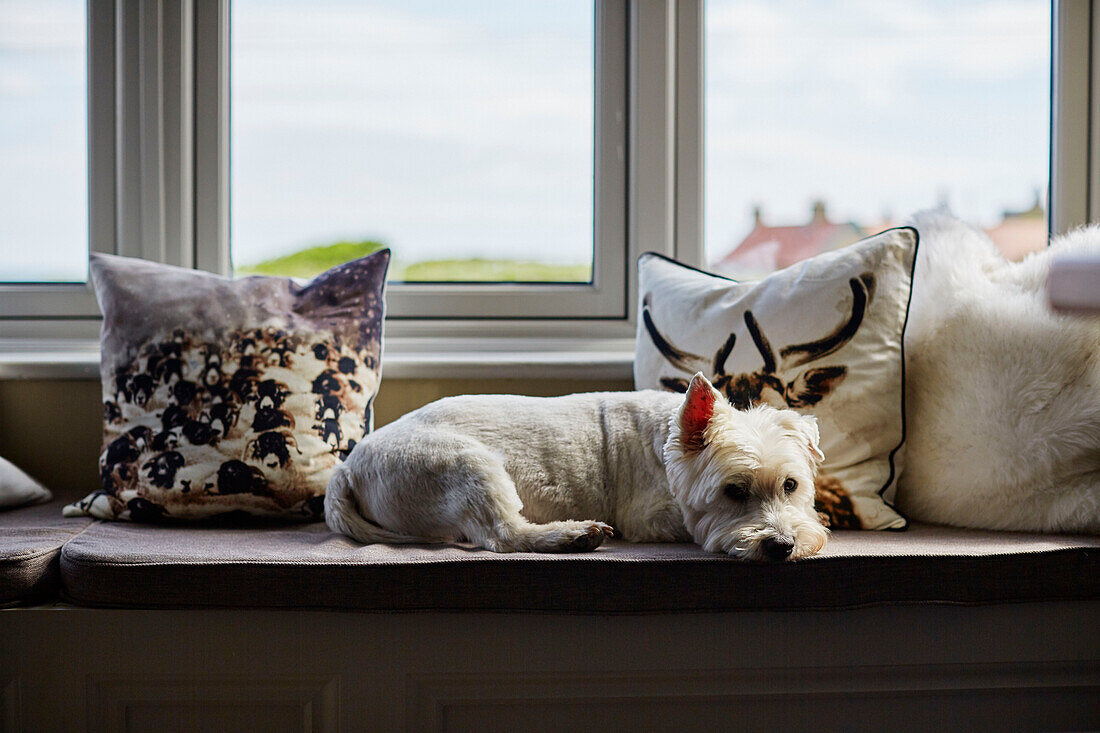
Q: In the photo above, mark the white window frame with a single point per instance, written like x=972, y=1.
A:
x=158, y=134
x=159, y=142
x=140, y=158
x=605, y=298
x=30, y=309
x=1075, y=118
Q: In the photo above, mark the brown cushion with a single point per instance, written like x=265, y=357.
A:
x=30, y=548
x=113, y=564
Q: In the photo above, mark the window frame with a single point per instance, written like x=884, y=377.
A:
x=605, y=297
x=159, y=139
x=140, y=152
x=1074, y=192
x=37, y=304
x=158, y=144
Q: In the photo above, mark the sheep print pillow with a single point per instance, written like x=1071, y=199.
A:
x=823, y=337
x=228, y=398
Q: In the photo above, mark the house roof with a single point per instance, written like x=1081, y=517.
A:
x=1019, y=236
x=768, y=248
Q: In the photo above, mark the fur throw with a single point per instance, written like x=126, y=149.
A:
x=1003, y=394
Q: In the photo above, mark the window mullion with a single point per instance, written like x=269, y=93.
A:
x=211, y=126
x=177, y=134
x=652, y=128
x=1093, y=102
x=128, y=168
x=102, y=199
x=689, y=132
x=1070, y=126
x=154, y=131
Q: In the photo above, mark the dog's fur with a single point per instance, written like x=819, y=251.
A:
x=514, y=473
x=1003, y=394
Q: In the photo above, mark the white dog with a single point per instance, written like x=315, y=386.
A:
x=514, y=473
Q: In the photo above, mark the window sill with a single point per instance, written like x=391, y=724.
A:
x=441, y=358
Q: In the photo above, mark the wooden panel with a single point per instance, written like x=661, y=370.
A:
x=9, y=703
x=932, y=697
x=212, y=703
x=1006, y=667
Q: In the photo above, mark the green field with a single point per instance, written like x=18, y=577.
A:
x=482, y=270
x=315, y=260
x=312, y=261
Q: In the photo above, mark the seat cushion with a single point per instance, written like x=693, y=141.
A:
x=30, y=548
x=307, y=566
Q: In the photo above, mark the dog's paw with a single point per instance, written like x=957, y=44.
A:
x=593, y=537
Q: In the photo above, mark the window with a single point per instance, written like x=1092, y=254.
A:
x=207, y=124
x=828, y=121
x=460, y=135
x=480, y=141
x=43, y=165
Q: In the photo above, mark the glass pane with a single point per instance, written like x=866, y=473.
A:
x=827, y=121
x=459, y=134
x=43, y=141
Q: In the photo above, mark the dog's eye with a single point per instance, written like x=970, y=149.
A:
x=790, y=485
x=736, y=492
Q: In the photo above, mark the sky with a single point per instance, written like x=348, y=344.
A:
x=43, y=168
x=878, y=108
x=450, y=129
x=443, y=129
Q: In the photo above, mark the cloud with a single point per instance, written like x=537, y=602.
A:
x=446, y=135
x=42, y=25
x=383, y=70
x=873, y=50
x=16, y=81
x=873, y=106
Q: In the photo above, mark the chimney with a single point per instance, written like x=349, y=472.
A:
x=757, y=216
x=819, y=213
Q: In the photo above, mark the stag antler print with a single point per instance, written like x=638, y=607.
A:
x=762, y=343
x=723, y=354
x=799, y=354
x=678, y=358
x=806, y=388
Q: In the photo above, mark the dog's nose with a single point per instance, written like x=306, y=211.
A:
x=777, y=549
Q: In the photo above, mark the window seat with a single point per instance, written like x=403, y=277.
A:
x=117, y=564
x=31, y=539
x=296, y=628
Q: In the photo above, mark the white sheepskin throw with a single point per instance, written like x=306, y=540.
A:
x=1002, y=393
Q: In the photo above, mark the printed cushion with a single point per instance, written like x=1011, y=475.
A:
x=823, y=337
x=230, y=397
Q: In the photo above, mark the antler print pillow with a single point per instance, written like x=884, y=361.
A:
x=228, y=397
x=823, y=337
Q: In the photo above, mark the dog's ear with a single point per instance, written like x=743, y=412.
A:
x=805, y=428
x=696, y=412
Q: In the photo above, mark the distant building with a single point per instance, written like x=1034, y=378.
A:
x=1021, y=232
x=769, y=248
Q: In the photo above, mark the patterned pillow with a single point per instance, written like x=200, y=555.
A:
x=231, y=397
x=823, y=337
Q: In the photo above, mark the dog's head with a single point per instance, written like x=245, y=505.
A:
x=744, y=479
